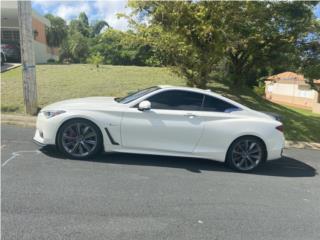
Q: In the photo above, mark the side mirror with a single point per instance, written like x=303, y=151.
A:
x=144, y=105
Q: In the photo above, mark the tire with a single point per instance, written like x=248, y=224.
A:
x=79, y=139
x=246, y=154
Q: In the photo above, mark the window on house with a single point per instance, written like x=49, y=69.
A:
x=10, y=36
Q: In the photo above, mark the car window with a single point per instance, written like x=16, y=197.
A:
x=217, y=105
x=136, y=95
x=176, y=100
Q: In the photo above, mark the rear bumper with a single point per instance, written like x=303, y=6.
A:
x=275, y=146
x=275, y=154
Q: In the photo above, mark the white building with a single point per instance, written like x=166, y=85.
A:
x=10, y=31
x=291, y=89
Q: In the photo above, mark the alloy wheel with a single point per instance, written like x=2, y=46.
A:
x=79, y=139
x=246, y=155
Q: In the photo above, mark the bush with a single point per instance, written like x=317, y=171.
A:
x=95, y=59
x=51, y=60
x=259, y=90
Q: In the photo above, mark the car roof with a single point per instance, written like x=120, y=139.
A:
x=206, y=91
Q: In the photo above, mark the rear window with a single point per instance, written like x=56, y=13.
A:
x=217, y=105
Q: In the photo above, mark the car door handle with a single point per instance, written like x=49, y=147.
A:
x=190, y=115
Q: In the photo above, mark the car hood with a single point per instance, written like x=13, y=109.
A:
x=85, y=103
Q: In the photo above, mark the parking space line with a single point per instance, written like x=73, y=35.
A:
x=18, y=153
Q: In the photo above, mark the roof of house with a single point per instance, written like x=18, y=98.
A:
x=290, y=77
x=286, y=76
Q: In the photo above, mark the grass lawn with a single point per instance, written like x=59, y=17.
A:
x=57, y=82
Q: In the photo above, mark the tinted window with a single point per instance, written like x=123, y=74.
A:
x=133, y=96
x=217, y=105
x=176, y=100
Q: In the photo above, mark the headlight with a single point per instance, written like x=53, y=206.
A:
x=52, y=113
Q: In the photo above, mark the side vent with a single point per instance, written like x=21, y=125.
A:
x=113, y=142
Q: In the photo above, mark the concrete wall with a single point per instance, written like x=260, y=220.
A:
x=291, y=94
x=41, y=31
x=316, y=108
x=42, y=53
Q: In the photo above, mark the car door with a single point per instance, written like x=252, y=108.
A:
x=217, y=118
x=170, y=125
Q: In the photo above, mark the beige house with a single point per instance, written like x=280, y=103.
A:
x=291, y=89
x=10, y=31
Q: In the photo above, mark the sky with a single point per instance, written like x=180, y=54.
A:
x=95, y=9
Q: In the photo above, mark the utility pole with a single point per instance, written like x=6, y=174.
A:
x=27, y=57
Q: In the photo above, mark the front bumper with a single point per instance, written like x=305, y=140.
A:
x=46, y=130
x=37, y=139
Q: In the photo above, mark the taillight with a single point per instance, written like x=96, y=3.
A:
x=280, y=128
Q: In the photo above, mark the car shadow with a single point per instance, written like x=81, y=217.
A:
x=284, y=167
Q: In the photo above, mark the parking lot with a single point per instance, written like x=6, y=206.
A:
x=129, y=196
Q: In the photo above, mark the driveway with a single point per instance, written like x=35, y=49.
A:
x=8, y=66
x=123, y=196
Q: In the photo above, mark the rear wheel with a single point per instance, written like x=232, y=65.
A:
x=79, y=138
x=246, y=154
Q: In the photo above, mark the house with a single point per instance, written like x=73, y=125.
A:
x=10, y=37
x=291, y=89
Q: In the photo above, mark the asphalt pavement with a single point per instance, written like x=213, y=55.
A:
x=130, y=196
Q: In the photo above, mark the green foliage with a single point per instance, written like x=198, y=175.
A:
x=78, y=47
x=187, y=33
x=57, y=32
x=74, y=49
x=51, y=60
x=310, y=64
x=259, y=90
x=122, y=48
x=262, y=37
x=95, y=59
x=96, y=28
x=250, y=39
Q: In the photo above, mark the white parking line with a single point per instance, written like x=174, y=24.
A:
x=16, y=154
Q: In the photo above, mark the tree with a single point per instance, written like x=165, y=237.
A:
x=84, y=19
x=121, y=48
x=310, y=57
x=78, y=47
x=262, y=37
x=80, y=34
x=188, y=32
x=80, y=25
x=57, y=31
x=96, y=28
x=250, y=38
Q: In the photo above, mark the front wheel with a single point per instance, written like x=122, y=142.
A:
x=246, y=154
x=79, y=138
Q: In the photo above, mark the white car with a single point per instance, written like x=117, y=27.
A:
x=163, y=120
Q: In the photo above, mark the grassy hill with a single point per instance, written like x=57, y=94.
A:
x=57, y=82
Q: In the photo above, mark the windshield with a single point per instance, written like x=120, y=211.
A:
x=133, y=96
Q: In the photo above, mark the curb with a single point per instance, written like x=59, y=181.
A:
x=302, y=145
x=19, y=120
x=30, y=121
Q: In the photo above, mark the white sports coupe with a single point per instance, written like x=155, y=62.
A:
x=163, y=120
